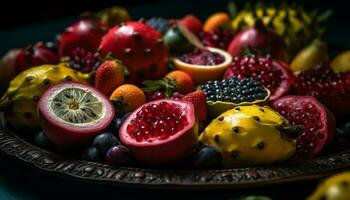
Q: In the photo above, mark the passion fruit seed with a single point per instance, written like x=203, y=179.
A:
x=157, y=121
x=234, y=90
x=76, y=106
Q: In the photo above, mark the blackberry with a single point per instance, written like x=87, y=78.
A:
x=158, y=23
x=234, y=90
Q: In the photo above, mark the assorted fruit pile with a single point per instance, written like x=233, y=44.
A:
x=242, y=88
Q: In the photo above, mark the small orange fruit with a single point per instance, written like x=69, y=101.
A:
x=130, y=95
x=184, y=82
x=216, y=20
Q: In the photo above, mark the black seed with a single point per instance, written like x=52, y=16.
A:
x=237, y=108
x=137, y=35
x=234, y=154
x=36, y=98
x=29, y=78
x=147, y=51
x=28, y=115
x=46, y=81
x=68, y=78
x=261, y=109
x=160, y=41
x=256, y=118
x=235, y=129
x=261, y=145
x=344, y=184
x=216, y=138
x=221, y=118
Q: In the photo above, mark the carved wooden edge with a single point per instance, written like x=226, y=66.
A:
x=19, y=149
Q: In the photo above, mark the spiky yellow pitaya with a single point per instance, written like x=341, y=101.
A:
x=249, y=136
x=20, y=100
x=297, y=26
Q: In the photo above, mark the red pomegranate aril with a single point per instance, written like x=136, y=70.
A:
x=202, y=57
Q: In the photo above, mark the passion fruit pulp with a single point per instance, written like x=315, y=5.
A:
x=72, y=113
x=161, y=131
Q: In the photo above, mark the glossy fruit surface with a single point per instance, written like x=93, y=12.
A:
x=71, y=114
x=128, y=94
x=160, y=132
x=207, y=158
x=118, y=155
x=104, y=142
x=317, y=121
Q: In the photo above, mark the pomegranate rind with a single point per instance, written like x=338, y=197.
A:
x=215, y=108
x=167, y=151
x=328, y=124
x=202, y=73
x=67, y=136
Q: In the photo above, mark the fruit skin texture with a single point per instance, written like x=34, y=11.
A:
x=85, y=33
x=261, y=38
x=67, y=136
x=249, y=136
x=167, y=151
x=199, y=100
x=21, y=99
x=18, y=60
x=270, y=72
x=336, y=187
x=341, y=63
x=131, y=94
x=330, y=88
x=184, y=82
x=296, y=25
x=140, y=48
x=289, y=107
x=104, y=142
x=192, y=23
x=109, y=76
x=310, y=56
x=216, y=20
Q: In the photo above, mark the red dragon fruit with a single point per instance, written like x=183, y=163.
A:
x=85, y=33
x=140, y=47
x=18, y=60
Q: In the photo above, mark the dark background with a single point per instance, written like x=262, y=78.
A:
x=25, y=22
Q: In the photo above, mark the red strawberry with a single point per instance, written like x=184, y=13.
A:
x=192, y=23
x=199, y=100
x=109, y=75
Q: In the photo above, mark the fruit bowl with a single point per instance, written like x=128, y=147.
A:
x=18, y=149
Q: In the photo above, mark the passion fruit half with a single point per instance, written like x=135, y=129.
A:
x=161, y=131
x=202, y=73
x=72, y=113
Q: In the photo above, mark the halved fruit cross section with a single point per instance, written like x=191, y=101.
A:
x=161, y=131
x=72, y=113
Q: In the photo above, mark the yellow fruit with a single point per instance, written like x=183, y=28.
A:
x=201, y=74
x=249, y=136
x=334, y=188
x=131, y=95
x=341, y=63
x=310, y=56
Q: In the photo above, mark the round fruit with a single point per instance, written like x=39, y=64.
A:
x=310, y=56
x=192, y=23
x=72, y=113
x=130, y=95
x=42, y=140
x=261, y=38
x=341, y=63
x=229, y=93
x=91, y=154
x=216, y=20
x=161, y=131
x=207, y=158
x=271, y=73
x=318, y=123
x=104, y=142
x=334, y=188
x=85, y=33
x=140, y=47
x=117, y=123
x=204, y=67
x=184, y=82
x=118, y=155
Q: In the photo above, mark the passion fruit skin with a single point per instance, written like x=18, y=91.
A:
x=167, y=151
x=66, y=136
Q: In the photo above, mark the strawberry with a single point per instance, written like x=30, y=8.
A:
x=109, y=75
x=199, y=100
x=192, y=23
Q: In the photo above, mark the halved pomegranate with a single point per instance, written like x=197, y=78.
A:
x=72, y=113
x=317, y=121
x=270, y=72
x=161, y=131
